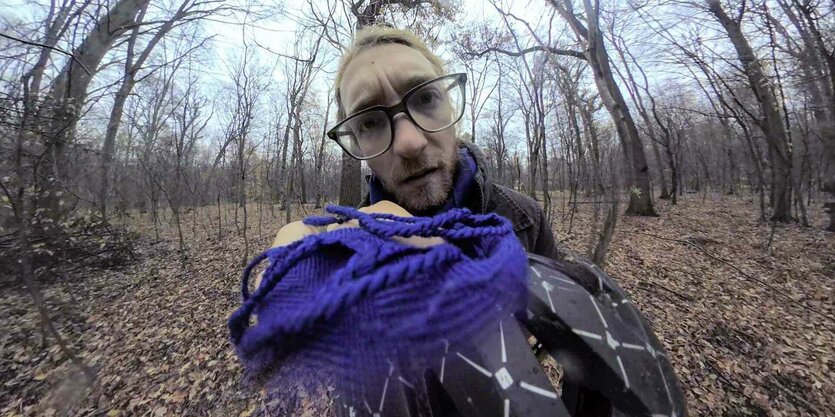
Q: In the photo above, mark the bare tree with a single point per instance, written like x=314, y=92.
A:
x=719, y=79
x=779, y=149
x=319, y=159
x=816, y=55
x=150, y=117
x=189, y=124
x=45, y=124
x=567, y=80
x=591, y=41
x=497, y=144
x=248, y=81
x=69, y=92
x=478, y=72
x=529, y=85
x=637, y=92
x=591, y=38
x=299, y=71
x=188, y=11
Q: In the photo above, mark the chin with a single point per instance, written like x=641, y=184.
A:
x=422, y=201
x=425, y=197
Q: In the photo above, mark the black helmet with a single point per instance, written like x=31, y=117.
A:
x=612, y=363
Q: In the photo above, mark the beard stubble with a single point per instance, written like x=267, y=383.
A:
x=432, y=194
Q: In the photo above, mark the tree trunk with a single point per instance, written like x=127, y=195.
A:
x=289, y=188
x=282, y=167
x=771, y=124
x=731, y=189
x=533, y=154
x=350, y=187
x=605, y=236
x=639, y=182
x=128, y=82
x=590, y=130
x=110, y=139
x=319, y=180
x=70, y=92
x=674, y=175
x=817, y=61
x=635, y=94
x=569, y=90
x=662, y=178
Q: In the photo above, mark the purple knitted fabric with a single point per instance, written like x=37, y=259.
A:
x=350, y=303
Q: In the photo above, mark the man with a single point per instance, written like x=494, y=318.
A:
x=398, y=108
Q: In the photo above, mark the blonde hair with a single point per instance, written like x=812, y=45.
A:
x=371, y=36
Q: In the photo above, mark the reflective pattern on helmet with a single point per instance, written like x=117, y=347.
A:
x=601, y=340
x=498, y=375
x=613, y=364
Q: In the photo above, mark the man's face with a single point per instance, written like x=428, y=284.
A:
x=418, y=168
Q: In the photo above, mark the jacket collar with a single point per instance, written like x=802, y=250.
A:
x=482, y=179
x=487, y=201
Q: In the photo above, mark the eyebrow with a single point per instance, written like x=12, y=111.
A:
x=402, y=87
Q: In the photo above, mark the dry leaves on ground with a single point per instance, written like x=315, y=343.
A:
x=750, y=328
x=748, y=325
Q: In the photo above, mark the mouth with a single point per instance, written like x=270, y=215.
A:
x=416, y=177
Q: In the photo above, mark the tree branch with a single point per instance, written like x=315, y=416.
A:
x=538, y=48
x=70, y=54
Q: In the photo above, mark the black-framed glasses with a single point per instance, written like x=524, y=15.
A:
x=433, y=106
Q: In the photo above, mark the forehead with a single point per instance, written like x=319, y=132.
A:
x=381, y=73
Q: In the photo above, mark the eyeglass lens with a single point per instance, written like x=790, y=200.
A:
x=436, y=106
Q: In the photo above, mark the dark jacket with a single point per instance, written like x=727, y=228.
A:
x=529, y=221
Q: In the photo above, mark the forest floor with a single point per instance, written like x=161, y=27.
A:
x=746, y=313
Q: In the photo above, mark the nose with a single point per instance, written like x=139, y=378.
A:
x=409, y=140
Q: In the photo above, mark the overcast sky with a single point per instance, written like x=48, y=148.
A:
x=279, y=33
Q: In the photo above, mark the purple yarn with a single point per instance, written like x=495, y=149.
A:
x=351, y=302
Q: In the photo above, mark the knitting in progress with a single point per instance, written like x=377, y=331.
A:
x=349, y=304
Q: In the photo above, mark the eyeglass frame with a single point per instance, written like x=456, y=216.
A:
x=401, y=107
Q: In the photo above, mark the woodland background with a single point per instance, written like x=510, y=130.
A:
x=150, y=148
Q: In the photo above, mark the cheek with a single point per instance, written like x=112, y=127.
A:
x=445, y=142
x=381, y=165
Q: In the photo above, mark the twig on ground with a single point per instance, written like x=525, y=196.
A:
x=776, y=290
x=799, y=400
x=684, y=297
x=771, y=237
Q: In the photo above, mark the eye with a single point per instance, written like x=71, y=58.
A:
x=369, y=123
x=428, y=98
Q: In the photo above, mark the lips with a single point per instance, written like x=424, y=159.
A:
x=419, y=175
